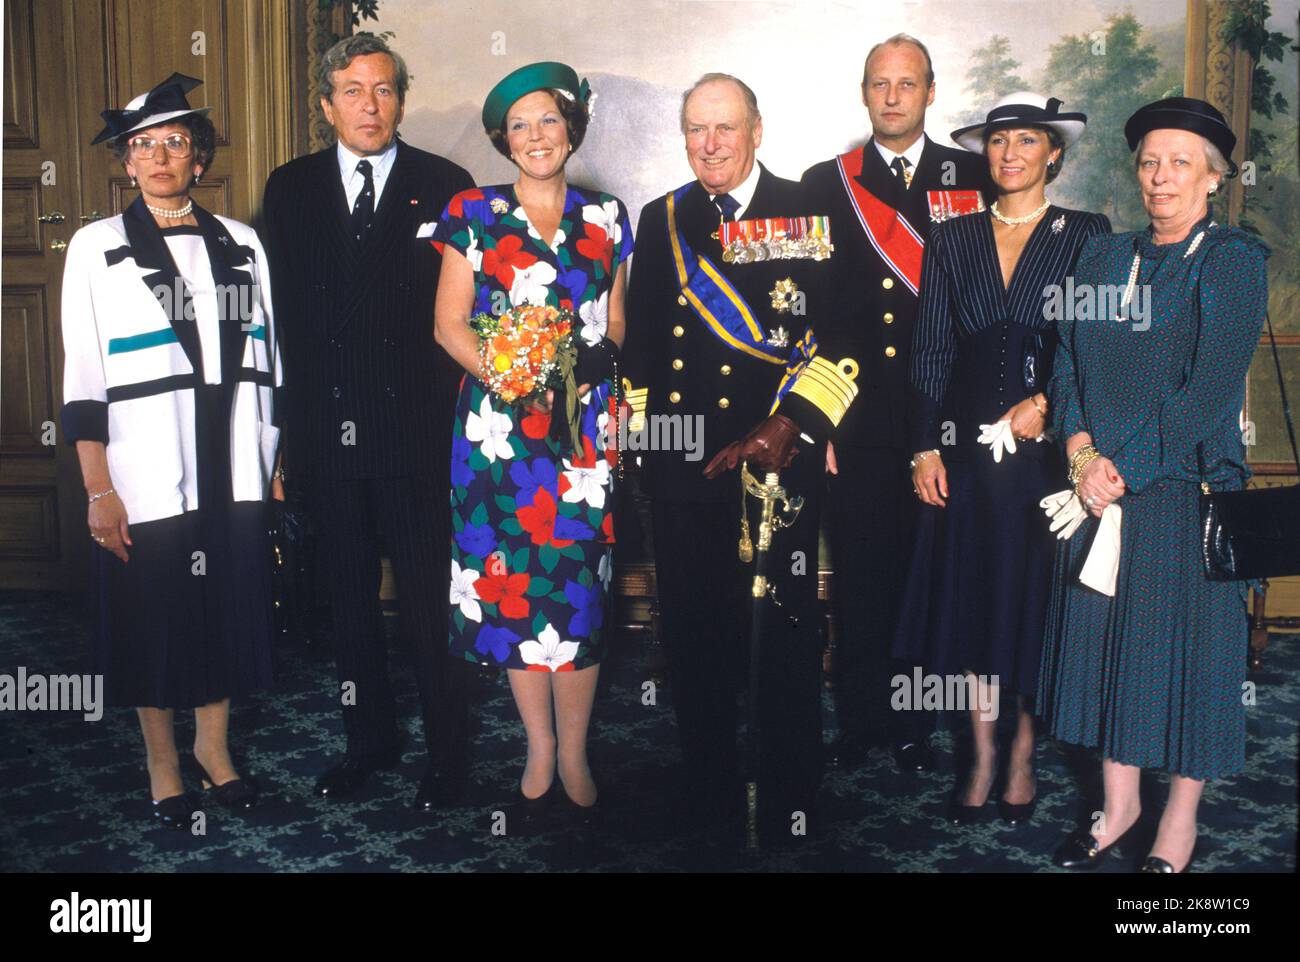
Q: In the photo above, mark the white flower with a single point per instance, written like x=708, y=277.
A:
x=472, y=253
x=606, y=217
x=491, y=431
x=530, y=285
x=548, y=650
x=595, y=319
x=605, y=571
x=556, y=241
x=587, y=484
x=464, y=593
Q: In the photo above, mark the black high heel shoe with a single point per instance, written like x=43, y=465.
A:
x=1154, y=865
x=175, y=812
x=1016, y=814
x=532, y=812
x=237, y=795
x=584, y=816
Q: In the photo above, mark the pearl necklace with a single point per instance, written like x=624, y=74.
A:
x=1137, y=267
x=1016, y=221
x=171, y=214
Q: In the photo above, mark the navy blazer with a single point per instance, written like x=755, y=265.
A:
x=869, y=322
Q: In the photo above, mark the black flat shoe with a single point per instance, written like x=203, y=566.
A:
x=349, y=775
x=1081, y=850
x=1154, y=865
x=175, y=812
x=531, y=814
x=1016, y=814
x=441, y=788
x=584, y=816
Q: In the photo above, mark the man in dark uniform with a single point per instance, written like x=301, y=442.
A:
x=371, y=398
x=875, y=272
x=717, y=332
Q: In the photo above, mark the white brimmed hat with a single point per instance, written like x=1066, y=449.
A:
x=1023, y=109
x=165, y=103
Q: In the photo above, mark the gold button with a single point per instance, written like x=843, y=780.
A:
x=678, y=364
x=889, y=318
x=889, y=351
x=726, y=369
x=887, y=283
x=723, y=403
x=678, y=331
x=675, y=397
x=681, y=299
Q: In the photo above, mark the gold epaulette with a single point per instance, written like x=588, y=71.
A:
x=828, y=386
x=635, y=399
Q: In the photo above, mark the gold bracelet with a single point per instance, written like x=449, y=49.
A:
x=921, y=456
x=1079, y=460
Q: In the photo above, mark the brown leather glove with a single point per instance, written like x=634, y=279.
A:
x=769, y=447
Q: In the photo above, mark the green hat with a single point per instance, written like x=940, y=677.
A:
x=546, y=75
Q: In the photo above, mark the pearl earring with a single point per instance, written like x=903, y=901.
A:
x=133, y=180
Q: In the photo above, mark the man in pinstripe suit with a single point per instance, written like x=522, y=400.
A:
x=370, y=399
x=871, y=508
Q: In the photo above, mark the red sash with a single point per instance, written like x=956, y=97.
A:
x=894, y=239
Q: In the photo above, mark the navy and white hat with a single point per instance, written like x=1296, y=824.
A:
x=1183, y=113
x=165, y=103
x=1023, y=109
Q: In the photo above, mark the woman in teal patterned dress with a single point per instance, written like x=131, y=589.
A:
x=532, y=520
x=1153, y=675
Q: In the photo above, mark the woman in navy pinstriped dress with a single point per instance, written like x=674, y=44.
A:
x=978, y=579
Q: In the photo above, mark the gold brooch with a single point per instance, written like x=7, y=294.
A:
x=499, y=205
x=783, y=295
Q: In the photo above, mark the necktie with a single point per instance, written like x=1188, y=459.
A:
x=727, y=206
x=363, y=211
x=902, y=170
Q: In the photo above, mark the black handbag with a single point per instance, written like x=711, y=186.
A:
x=1255, y=533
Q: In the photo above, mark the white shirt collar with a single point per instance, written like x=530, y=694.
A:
x=913, y=153
x=744, y=192
x=379, y=163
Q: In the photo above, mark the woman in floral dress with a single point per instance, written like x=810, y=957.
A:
x=532, y=520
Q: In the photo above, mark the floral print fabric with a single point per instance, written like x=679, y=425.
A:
x=532, y=524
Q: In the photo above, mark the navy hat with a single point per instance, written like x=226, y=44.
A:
x=1183, y=113
x=547, y=75
x=165, y=103
x=1023, y=109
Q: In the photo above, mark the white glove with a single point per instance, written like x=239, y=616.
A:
x=1066, y=511
x=1101, y=567
x=999, y=438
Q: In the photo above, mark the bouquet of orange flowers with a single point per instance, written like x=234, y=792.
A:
x=526, y=352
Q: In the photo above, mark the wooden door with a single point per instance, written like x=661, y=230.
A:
x=43, y=534
x=65, y=61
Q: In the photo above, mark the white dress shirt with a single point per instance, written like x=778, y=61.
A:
x=912, y=155
x=353, y=182
x=744, y=193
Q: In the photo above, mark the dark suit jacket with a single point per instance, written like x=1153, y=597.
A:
x=357, y=322
x=731, y=390
x=865, y=319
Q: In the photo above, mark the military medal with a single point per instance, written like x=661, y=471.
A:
x=947, y=204
x=783, y=296
x=775, y=238
x=778, y=338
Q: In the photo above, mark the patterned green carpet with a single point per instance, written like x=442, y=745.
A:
x=73, y=794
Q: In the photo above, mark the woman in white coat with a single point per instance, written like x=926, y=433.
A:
x=169, y=384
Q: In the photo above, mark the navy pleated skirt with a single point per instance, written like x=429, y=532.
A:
x=978, y=580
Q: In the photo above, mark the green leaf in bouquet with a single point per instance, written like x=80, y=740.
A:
x=519, y=561
x=549, y=556
x=512, y=527
x=496, y=472
x=505, y=503
x=479, y=516
x=538, y=586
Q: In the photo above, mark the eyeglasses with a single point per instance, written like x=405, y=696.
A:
x=177, y=145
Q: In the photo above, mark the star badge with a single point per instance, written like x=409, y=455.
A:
x=783, y=296
x=778, y=338
x=499, y=205
x=1058, y=225
x=224, y=240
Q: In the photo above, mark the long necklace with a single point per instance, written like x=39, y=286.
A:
x=176, y=214
x=1016, y=221
x=1136, y=268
